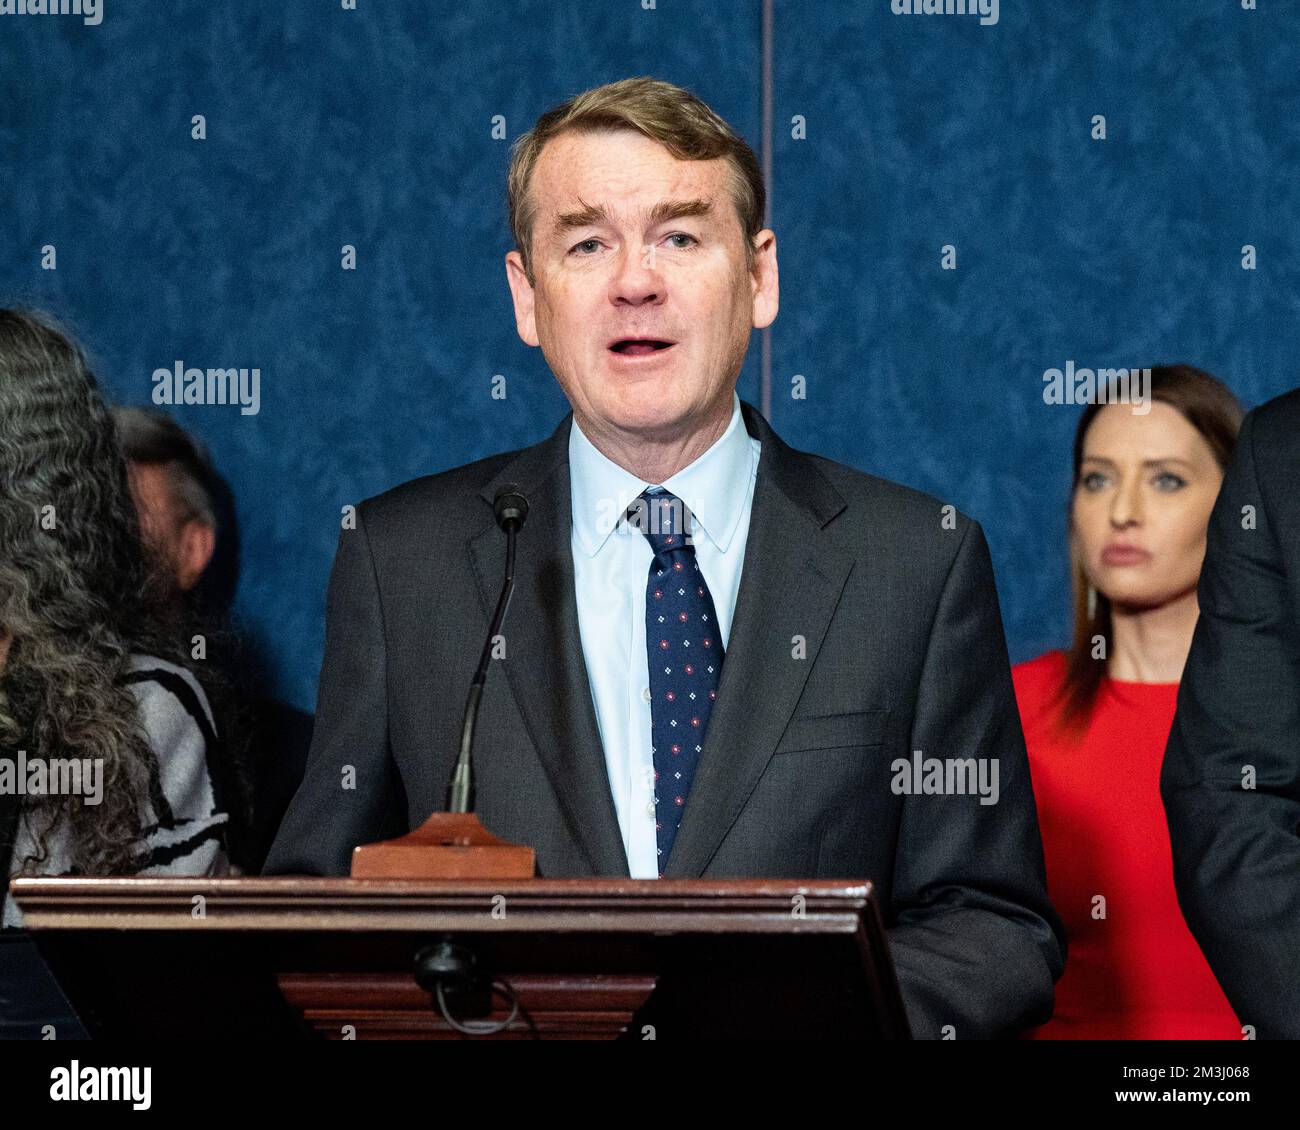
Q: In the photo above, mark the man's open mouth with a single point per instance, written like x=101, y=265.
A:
x=638, y=346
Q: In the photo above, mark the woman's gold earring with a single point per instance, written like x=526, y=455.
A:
x=1092, y=603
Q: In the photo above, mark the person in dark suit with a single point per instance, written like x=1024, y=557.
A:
x=725, y=657
x=1231, y=775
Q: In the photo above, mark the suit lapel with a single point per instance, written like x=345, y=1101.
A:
x=789, y=586
x=544, y=661
x=790, y=583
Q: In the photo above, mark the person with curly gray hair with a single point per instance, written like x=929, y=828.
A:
x=96, y=688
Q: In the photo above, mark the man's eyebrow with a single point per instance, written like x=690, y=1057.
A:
x=595, y=214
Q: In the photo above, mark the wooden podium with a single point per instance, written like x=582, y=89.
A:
x=288, y=958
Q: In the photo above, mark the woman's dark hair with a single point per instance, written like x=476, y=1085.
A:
x=77, y=594
x=1210, y=407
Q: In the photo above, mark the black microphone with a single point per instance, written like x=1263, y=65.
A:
x=511, y=510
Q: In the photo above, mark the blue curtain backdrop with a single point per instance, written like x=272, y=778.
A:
x=893, y=136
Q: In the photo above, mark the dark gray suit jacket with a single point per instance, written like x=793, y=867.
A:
x=903, y=650
x=1236, y=848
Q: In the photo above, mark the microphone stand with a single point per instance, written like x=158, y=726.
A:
x=454, y=844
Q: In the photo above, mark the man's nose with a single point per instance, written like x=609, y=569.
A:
x=637, y=278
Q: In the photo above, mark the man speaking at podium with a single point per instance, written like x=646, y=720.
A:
x=721, y=652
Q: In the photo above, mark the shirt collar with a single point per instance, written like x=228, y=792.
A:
x=712, y=487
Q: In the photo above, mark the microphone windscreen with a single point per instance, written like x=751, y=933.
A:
x=510, y=503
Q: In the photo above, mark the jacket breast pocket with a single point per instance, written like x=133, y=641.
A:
x=833, y=731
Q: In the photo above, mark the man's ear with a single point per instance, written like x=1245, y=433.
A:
x=521, y=290
x=767, y=296
x=194, y=549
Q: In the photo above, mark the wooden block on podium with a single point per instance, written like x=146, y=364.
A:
x=449, y=845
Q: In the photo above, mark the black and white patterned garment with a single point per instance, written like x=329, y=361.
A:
x=184, y=824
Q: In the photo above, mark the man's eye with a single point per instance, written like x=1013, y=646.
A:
x=577, y=247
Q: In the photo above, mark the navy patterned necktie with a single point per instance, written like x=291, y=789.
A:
x=685, y=653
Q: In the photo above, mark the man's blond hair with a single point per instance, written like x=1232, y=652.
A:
x=665, y=113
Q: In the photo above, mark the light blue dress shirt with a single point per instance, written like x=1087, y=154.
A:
x=611, y=566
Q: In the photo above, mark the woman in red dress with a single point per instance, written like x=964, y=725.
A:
x=1097, y=717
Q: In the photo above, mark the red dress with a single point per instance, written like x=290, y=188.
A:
x=1136, y=973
